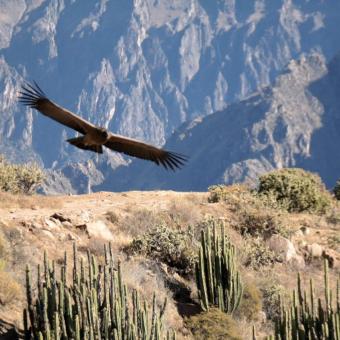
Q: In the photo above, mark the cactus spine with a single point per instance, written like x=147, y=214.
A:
x=217, y=278
x=308, y=319
x=94, y=306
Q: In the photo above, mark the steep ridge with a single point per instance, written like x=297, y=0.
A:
x=143, y=68
x=295, y=123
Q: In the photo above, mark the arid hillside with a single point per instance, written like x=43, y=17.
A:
x=272, y=245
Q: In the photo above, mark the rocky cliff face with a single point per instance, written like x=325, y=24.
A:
x=294, y=123
x=142, y=68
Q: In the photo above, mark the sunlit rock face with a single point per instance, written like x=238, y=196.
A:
x=293, y=123
x=143, y=68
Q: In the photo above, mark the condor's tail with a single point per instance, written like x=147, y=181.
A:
x=79, y=143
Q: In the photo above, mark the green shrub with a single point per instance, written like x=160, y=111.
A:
x=336, y=190
x=295, y=190
x=272, y=294
x=235, y=195
x=20, y=178
x=217, y=193
x=251, y=303
x=176, y=248
x=213, y=325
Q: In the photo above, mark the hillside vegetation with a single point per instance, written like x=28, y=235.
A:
x=208, y=265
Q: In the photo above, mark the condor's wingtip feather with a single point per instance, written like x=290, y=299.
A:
x=30, y=95
x=174, y=161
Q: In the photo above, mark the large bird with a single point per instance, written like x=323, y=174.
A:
x=93, y=137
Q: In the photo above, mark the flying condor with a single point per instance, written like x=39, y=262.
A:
x=94, y=137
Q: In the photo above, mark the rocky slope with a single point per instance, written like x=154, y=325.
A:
x=29, y=225
x=294, y=123
x=142, y=68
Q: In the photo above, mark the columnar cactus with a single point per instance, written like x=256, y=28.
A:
x=95, y=305
x=307, y=318
x=217, y=278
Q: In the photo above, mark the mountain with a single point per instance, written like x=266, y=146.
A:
x=294, y=123
x=143, y=68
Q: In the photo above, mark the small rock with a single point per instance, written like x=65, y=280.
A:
x=262, y=316
x=298, y=233
x=67, y=224
x=314, y=250
x=61, y=217
x=85, y=216
x=302, y=244
x=47, y=233
x=57, y=222
x=50, y=224
x=35, y=207
x=305, y=230
x=333, y=257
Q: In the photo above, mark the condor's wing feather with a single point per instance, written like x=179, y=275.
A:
x=34, y=97
x=145, y=151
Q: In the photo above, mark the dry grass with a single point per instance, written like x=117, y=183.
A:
x=213, y=325
x=139, y=221
x=143, y=276
x=112, y=217
x=184, y=211
x=19, y=201
x=251, y=303
x=10, y=290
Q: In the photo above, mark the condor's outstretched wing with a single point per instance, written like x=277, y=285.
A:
x=145, y=151
x=34, y=97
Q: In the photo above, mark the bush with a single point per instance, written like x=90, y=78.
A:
x=112, y=217
x=251, y=303
x=260, y=222
x=271, y=300
x=213, y=324
x=295, y=190
x=235, y=195
x=20, y=178
x=256, y=254
x=175, y=248
x=336, y=190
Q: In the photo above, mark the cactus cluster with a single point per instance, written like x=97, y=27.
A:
x=217, y=278
x=94, y=305
x=307, y=318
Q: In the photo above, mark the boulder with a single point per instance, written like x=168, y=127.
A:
x=51, y=223
x=98, y=229
x=282, y=247
x=314, y=250
x=61, y=217
x=285, y=249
